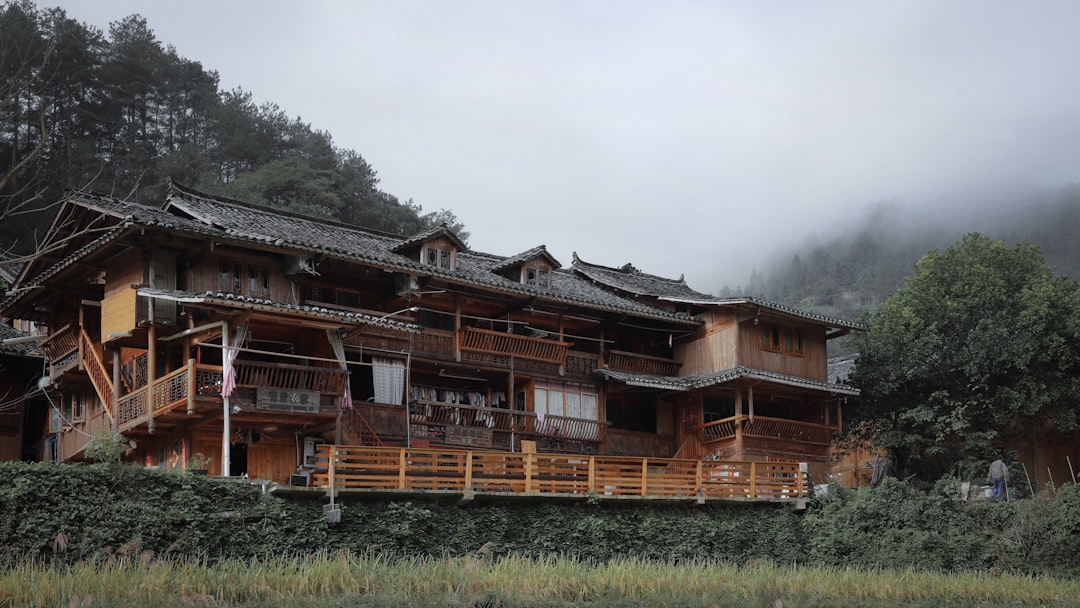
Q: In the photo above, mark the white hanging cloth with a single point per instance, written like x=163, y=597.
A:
x=339, y=352
x=228, y=370
x=388, y=375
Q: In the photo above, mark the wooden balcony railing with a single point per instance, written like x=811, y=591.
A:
x=501, y=343
x=808, y=432
x=164, y=394
x=641, y=364
x=761, y=426
x=327, y=380
x=525, y=424
x=409, y=469
x=62, y=349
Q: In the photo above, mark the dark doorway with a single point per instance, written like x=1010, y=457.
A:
x=238, y=460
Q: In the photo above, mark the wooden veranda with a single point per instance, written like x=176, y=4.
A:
x=472, y=474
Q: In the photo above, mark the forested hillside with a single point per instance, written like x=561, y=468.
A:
x=121, y=113
x=854, y=271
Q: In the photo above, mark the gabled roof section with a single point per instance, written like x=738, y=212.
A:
x=200, y=215
x=631, y=280
x=440, y=231
x=689, y=383
x=540, y=251
x=9, y=272
x=17, y=349
x=264, y=305
x=840, y=368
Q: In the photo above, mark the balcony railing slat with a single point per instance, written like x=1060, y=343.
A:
x=410, y=469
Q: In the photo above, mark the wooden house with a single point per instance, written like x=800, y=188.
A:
x=23, y=405
x=254, y=337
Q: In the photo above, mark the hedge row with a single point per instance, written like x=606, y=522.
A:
x=72, y=513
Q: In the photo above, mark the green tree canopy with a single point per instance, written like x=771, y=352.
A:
x=979, y=346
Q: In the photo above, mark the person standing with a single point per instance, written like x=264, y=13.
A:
x=998, y=476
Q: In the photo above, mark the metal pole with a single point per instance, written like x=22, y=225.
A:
x=226, y=430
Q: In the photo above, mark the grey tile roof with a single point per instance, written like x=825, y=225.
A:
x=440, y=230
x=525, y=256
x=840, y=368
x=9, y=272
x=631, y=280
x=250, y=303
x=201, y=214
x=21, y=349
x=687, y=383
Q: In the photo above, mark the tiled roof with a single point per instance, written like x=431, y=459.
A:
x=249, y=303
x=631, y=280
x=525, y=256
x=687, y=383
x=201, y=214
x=20, y=349
x=9, y=272
x=840, y=368
x=441, y=230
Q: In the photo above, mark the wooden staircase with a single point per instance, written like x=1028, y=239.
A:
x=691, y=449
x=358, y=430
x=99, y=376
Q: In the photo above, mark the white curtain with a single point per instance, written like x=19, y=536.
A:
x=339, y=352
x=228, y=371
x=388, y=376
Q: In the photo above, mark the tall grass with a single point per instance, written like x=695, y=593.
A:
x=344, y=579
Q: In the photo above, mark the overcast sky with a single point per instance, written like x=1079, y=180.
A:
x=684, y=137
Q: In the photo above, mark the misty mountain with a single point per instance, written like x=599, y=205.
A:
x=852, y=272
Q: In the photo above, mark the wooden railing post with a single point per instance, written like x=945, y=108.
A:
x=644, y=476
x=402, y=463
x=331, y=457
x=191, y=386
x=753, y=480
x=468, y=470
x=592, y=473
x=529, y=460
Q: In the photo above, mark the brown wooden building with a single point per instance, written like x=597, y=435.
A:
x=24, y=408
x=253, y=336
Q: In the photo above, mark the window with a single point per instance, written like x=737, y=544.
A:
x=439, y=257
x=781, y=339
x=632, y=413
x=232, y=279
x=565, y=399
x=536, y=275
x=71, y=408
x=258, y=281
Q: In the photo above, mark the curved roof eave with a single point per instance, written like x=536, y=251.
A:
x=688, y=383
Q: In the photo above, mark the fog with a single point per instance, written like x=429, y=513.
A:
x=692, y=138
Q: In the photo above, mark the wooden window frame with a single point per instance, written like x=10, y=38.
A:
x=781, y=339
x=438, y=256
x=536, y=275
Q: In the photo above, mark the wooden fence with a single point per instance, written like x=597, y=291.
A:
x=408, y=469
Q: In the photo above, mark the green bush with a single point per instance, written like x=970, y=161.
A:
x=70, y=513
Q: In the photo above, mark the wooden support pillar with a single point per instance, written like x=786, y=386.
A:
x=750, y=397
x=457, y=327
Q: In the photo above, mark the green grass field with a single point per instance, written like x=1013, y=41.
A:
x=352, y=580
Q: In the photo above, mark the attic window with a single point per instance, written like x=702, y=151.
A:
x=781, y=339
x=536, y=275
x=438, y=256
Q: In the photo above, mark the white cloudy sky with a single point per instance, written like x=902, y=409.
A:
x=685, y=137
